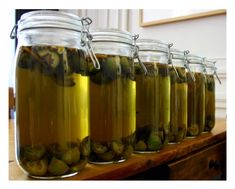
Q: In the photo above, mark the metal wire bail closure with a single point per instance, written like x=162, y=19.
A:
x=170, y=55
x=215, y=73
x=136, y=54
x=86, y=40
x=13, y=33
x=186, y=64
x=217, y=76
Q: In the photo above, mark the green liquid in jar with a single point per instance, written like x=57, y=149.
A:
x=179, y=101
x=153, y=107
x=210, y=103
x=52, y=105
x=196, y=104
x=113, y=107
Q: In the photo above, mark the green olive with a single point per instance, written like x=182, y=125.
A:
x=98, y=148
x=37, y=168
x=85, y=147
x=125, y=65
x=138, y=70
x=50, y=57
x=117, y=147
x=78, y=166
x=107, y=156
x=57, y=167
x=109, y=66
x=130, y=139
x=128, y=151
x=193, y=130
x=163, y=70
x=71, y=156
x=154, y=142
x=140, y=146
x=180, y=135
x=34, y=152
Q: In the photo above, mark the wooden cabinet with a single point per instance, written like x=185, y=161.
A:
x=208, y=163
x=201, y=158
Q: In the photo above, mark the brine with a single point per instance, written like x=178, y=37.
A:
x=113, y=107
x=152, y=107
x=210, y=103
x=52, y=105
x=196, y=104
x=179, y=105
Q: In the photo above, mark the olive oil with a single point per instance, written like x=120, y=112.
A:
x=52, y=106
x=210, y=102
x=153, y=107
x=113, y=107
x=179, y=105
x=196, y=104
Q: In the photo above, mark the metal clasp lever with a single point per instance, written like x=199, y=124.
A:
x=187, y=66
x=136, y=54
x=13, y=33
x=86, y=39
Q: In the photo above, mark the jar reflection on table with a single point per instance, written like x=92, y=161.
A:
x=52, y=96
x=112, y=97
x=152, y=97
x=196, y=96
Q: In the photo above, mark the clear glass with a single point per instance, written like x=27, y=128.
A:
x=52, y=101
x=152, y=99
x=210, y=100
x=113, y=100
x=196, y=100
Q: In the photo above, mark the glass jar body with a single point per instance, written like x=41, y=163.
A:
x=179, y=103
x=210, y=100
x=113, y=103
x=153, y=102
x=196, y=101
x=52, y=103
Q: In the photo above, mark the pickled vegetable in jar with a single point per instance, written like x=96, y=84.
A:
x=152, y=97
x=178, y=98
x=210, y=95
x=112, y=97
x=52, y=96
x=196, y=96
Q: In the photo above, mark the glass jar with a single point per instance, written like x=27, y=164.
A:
x=112, y=97
x=52, y=95
x=152, y=97
x=179, y=97
x=210, y=95
x=196, y=96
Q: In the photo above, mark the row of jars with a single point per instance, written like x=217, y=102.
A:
x=98, y=96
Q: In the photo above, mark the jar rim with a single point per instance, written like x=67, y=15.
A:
x=177, y=54
x=111, y=35
x=49, y=19
x=194, y=59
x=152, y=45
x=210, y=63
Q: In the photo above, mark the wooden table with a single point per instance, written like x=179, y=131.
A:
x=137, y=163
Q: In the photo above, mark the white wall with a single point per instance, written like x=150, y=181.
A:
x=204, y=36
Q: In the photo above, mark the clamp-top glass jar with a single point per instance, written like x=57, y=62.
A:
x=52, y=95
x=112, y=97
x=152, y=96
x=196, y=96
x=179, y=97
x=210, y=94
